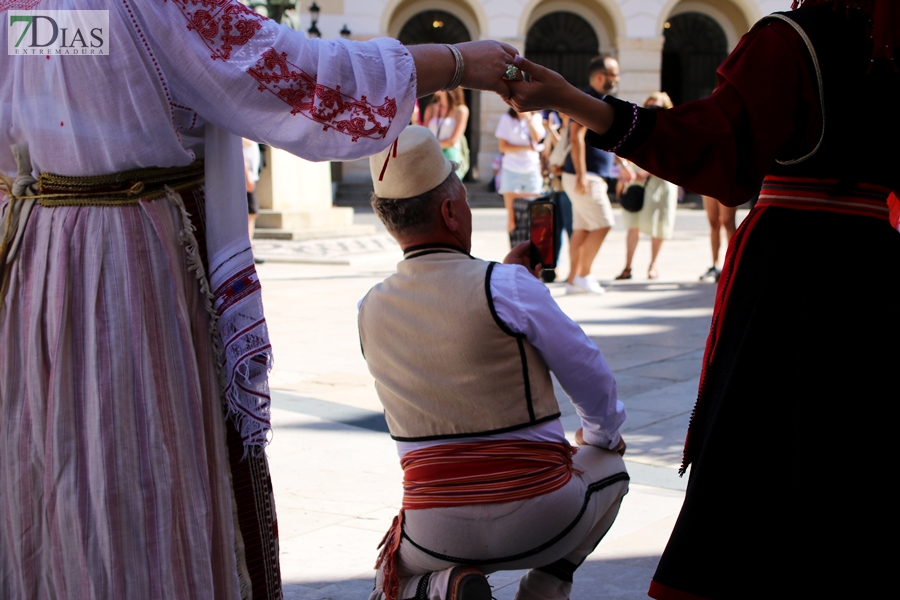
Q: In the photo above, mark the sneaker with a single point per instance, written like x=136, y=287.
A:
x=468, y=583
x=711, y=275
x=589, y=284
x=548, y=275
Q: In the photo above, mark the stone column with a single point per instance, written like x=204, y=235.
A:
x=295, y=197
x=640, y=63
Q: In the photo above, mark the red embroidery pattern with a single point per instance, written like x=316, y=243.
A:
x=223, y=24
x=325, y=105
x=18, y=5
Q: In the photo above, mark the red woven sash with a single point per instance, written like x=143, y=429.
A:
x=802, y=193
x=473, y=473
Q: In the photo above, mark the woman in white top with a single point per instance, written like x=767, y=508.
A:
x=520, y=137
x=447, y=117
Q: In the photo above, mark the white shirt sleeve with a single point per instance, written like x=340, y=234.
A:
x=525, y=305
x=322, y=100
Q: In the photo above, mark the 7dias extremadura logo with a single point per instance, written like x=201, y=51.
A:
x=57, y=32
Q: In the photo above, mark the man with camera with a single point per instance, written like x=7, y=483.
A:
x=461, y=350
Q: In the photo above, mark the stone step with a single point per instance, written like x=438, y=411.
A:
x=322, y=233
x=298, y=220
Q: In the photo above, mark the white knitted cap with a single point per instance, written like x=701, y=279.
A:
x=418, y=167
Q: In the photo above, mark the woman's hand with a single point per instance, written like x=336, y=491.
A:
x=547, y=89
x=485, y=65
x=543, y=90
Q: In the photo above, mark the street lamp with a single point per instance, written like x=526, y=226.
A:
x=345, y=32
x=313, y=31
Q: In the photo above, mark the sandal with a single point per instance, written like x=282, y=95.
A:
x=625, y=274
x=652, y=274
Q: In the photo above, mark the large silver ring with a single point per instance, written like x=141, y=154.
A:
x=512, y=71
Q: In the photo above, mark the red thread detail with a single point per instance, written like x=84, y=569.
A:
x=159, y=73
x=387, y=159
x=61, y=124
x=222, y=24
x=190, y=110
x=18, y=5
x=320, y=103
x=664, y=592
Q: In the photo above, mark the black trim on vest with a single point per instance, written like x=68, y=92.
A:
x=594, y=487
x=422, y=588
x=524, y=357
x=519, y=339
x=453, y=436
x=426, y=249
x=490, y=301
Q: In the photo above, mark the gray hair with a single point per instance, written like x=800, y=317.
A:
x=407, y=216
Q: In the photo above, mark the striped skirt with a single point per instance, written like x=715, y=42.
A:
x=114, y=476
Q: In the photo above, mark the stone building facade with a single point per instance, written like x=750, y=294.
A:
x=674, y=45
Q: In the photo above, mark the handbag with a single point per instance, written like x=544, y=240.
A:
x=632, y=198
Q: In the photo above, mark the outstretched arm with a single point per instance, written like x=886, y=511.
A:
x=484, y=64
x=548, y=89
x=765, y=107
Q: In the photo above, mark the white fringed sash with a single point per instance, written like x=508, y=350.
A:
x=242, y=338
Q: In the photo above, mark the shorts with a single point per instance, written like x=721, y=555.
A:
x=590, y=211
x=524, y=183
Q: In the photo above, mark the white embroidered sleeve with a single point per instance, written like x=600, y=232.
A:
x=321, y=100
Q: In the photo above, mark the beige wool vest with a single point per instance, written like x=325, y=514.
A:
x=444, y=365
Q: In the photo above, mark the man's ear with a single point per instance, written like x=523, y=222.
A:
x=449, y=214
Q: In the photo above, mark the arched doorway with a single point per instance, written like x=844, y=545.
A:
x=564, y=42
x=441, y=27
x=695, y=46
x=434, y=27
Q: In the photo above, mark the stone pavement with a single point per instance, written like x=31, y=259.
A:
x=335, y=469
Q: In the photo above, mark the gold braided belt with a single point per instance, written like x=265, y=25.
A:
x=116, y=189
x=49, y=190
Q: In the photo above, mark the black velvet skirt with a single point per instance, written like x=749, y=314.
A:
x=792, y=442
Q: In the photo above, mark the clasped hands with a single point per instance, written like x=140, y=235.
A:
x=498, y=67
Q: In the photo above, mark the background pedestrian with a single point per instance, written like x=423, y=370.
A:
x=657, y=215
x=721, y=218
x=447, y=117
x=520, y=137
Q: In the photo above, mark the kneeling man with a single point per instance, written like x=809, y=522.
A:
x=461, y=350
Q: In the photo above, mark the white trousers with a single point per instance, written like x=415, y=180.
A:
x=551, y=534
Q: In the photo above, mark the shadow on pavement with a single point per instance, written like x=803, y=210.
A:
x=610, y=579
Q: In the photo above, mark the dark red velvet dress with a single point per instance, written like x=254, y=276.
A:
x=791, y=444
